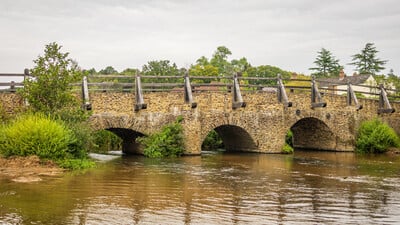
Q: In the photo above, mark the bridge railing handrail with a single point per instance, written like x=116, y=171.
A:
x=104, y=82
x=13, y=84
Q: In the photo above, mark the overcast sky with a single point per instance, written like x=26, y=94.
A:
x=129, y=33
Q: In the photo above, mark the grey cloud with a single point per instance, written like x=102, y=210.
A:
x=126, y=33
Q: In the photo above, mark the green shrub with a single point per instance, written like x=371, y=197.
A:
x=166, y=143
x=289, y=138
x=287, y=149
x=76, y=164
x=37, y=134
x=374, y=136
x=213, y=141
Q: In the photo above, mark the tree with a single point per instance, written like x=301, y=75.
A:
x=91, y=71
x=240, y=65
x=203, y=70
x=220, y=60
x=326, y=64
x=129, y=71
x=161, y=68
x=367, y=62
x=108, y=70
x=49, y=90
x=266, y=71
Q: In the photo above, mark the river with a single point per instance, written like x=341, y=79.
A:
x=305, y=188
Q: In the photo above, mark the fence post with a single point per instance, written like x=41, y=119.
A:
x=139, y=104
x=384, y=104
x=85, y=94
x=26, y=74
x=351, y=96
x=188, y=92
x=237, y=101
x=282, y=96
x=316, y=99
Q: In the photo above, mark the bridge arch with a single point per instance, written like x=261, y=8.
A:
x=235, y=138
x=313, y=133
x=128, y=136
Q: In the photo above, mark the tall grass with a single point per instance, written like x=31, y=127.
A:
x=374, y=136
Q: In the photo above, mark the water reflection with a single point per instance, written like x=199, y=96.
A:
x=307, y=188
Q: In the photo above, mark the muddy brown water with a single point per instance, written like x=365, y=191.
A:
x=305, y=188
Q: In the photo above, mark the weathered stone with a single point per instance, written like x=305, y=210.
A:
x=261, y=126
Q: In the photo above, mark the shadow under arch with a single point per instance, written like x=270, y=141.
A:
x=128, y=136
x=235, y=138
x=312, y=133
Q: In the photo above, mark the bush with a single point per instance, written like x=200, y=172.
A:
x=374, y=136
x=166, y=143
x=287, y=149
x=36, y=134
x=213, y=141
x=289, y=138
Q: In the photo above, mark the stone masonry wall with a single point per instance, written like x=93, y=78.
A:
x=263, y=123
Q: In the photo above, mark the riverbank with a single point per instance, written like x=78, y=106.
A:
x=27, y=169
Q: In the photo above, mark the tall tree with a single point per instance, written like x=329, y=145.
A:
x=240, y=65
x=367, y=61
x=326, y=64
x=161, y=68
x=220, y=60
x=50, y=91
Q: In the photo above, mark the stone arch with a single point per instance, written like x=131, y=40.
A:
x=235, y=138
x=125, y=127
x=313, y=133
x=128, y=136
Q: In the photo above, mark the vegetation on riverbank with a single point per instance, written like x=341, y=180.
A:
x=166, y=143
x=53, y=126
x=375, y=136
x=49, y=139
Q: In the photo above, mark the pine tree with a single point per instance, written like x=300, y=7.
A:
x=367, y=62
x=326, y=64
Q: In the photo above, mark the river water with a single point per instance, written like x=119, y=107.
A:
x=304, y=188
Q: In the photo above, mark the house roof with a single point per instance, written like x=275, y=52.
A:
x=359, y=79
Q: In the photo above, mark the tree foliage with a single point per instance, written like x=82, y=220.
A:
x=108, y=70
x=168, y=142
x=161, y=68
x=367, y=62
x=266, y=71
x=374, y=136
x=49, y=90
x=220, y=60
x=326, y=64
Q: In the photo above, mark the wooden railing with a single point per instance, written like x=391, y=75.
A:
x=199, y=83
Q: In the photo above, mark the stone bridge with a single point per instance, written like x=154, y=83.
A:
x=260, y=126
